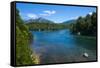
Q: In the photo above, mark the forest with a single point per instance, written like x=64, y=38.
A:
x=45, y=26
x=85, y=25
x=24, y=54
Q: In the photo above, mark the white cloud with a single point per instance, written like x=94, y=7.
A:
x=90, y=13
x=44, y=15
x=31, y=15
x=76, y=17
x=48, y=12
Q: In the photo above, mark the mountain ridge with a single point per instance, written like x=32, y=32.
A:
x=69, y=21
x=39, y=20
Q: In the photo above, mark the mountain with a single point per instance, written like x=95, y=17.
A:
x=69, y=21
x=39, y=20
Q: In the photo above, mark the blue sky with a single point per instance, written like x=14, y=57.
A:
x=56, y=13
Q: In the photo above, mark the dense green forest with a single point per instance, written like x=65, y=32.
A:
x=24, y=54
x=46, y=26
x=85, y=25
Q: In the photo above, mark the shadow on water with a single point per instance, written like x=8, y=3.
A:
x=86, y=42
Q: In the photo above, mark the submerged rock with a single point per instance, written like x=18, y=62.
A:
x=78, y=33
x=85, y=55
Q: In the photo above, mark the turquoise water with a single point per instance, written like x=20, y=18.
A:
x=61, y=46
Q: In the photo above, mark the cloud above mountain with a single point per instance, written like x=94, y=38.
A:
x=43, y=13
x=90, y=13
x=32, y=15
x=48, y=13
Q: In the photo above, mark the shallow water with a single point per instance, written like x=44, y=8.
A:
x=61, y=46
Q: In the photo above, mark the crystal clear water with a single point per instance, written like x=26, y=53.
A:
x=61, y=46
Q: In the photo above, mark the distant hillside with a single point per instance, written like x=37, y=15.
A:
x=42, y=24
x=69, y=21
x=39, y=20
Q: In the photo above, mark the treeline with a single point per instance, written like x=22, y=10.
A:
x=45, y=26
x=24, y=54
x=85, y=25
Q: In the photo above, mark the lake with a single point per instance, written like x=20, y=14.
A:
x=61, y=46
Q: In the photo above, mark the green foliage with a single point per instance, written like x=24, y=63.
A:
x=23, y=38
x=45, y=26
x=85, y=25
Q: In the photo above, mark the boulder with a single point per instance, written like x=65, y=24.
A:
x=86, y=55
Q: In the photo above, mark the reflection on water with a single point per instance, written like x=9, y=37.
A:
x=60, y=46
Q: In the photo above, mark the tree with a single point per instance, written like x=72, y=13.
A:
x=23, y=37
x=85, y=25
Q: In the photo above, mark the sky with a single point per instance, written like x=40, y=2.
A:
x=56, y=13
